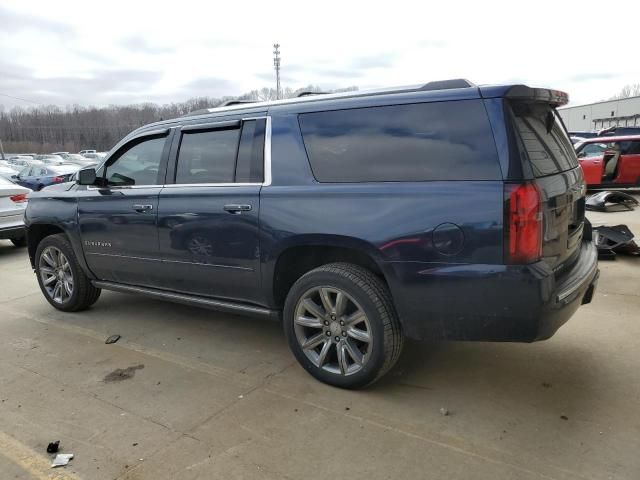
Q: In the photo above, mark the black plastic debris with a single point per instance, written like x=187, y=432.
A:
x=613, y=240
x=53, y=447
x=608, y=201
x=112, y=339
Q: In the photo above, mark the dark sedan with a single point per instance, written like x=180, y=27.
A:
x=36, y=177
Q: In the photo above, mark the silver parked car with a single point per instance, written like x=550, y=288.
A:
x=50, y=159
x=13, y=201
x=7, y=170
x=79, y=159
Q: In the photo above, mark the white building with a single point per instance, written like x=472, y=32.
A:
x=599, y=115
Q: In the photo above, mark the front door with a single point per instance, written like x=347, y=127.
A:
x=208, y=213
x=118, y=219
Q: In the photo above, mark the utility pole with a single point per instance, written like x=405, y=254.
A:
x=276, y=64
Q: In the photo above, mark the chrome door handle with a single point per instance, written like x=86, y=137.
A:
x=142, y=208
x=236, y=209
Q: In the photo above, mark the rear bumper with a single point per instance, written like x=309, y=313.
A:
x=491, y=302
x=12, y=232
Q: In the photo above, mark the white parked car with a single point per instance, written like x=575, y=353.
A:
x=13, y=201
x=7, y=171
x=50, y=159
x=79, y=159
x=20, y=162
x=82, y=152
x=98, y=156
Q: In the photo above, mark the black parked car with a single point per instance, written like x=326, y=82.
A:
x=443, y=211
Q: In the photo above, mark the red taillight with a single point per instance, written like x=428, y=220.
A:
x=523, y=223
x=58, y=179
x=19, y=198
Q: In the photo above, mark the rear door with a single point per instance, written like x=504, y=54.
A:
x=554, y=166
x=628, y=170
x=118, y=221
x=208, y=210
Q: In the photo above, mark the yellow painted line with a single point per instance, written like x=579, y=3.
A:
x=38, y=466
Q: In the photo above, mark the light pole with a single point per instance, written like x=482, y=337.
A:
x=276, y=64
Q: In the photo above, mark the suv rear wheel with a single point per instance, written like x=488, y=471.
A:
x=341, y=325
x=61, y=279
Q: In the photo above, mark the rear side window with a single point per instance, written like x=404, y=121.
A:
x=250, y=164
x=631, y=147
x=401, y=143
x=544, y=139
x=208, y=157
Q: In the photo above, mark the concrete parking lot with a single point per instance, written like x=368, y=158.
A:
x=194, y=394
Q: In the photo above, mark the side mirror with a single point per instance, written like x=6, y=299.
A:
x=582, y=155
x=87, y=176
x=15, y=177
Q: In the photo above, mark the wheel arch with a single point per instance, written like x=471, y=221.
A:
x=37, y=231
x=300, y=254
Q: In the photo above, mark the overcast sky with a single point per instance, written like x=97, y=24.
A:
x=65, y=52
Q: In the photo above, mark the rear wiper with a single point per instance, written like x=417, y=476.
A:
x=550, y=121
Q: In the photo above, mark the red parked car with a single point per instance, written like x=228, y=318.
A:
x=610, y=161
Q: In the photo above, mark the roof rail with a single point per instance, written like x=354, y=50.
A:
x=306, y=93
x=196, y=112
x=228, y=103
x=447, y=84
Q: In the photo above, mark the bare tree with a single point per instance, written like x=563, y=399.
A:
x=50, y=128
x=627, y=91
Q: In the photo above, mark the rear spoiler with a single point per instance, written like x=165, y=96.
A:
x=555, y=98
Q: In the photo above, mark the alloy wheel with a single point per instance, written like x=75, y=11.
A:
x=56, y=275
x=333, y=330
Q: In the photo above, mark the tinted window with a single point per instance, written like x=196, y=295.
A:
x=627, y=147
x=250, y=165
x=207, y=157
x=139, y=165
x=418, y=142
x=545, y=140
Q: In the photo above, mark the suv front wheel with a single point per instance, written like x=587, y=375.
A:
x=61, y=279
x=341, y=325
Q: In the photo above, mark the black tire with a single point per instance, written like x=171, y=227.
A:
x=84, y=293
x=373, y=298
x=39, y=187
x=19, y=242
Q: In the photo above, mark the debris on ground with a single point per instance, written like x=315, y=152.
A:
x=61, y=459
x=608, y=201
x=546, y=384
x=564, y=417
x=112, y=339
x=120, y=374
x=613, y=240
x=444, y=411
x=53, y=447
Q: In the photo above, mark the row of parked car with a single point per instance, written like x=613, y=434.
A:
x=21, y=174
x=38, y=171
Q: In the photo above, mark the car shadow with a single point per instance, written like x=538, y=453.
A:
x=9, y=250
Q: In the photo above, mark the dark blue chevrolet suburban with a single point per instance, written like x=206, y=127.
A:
x=441, y=211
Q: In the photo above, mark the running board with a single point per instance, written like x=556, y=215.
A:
x=220, y=305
